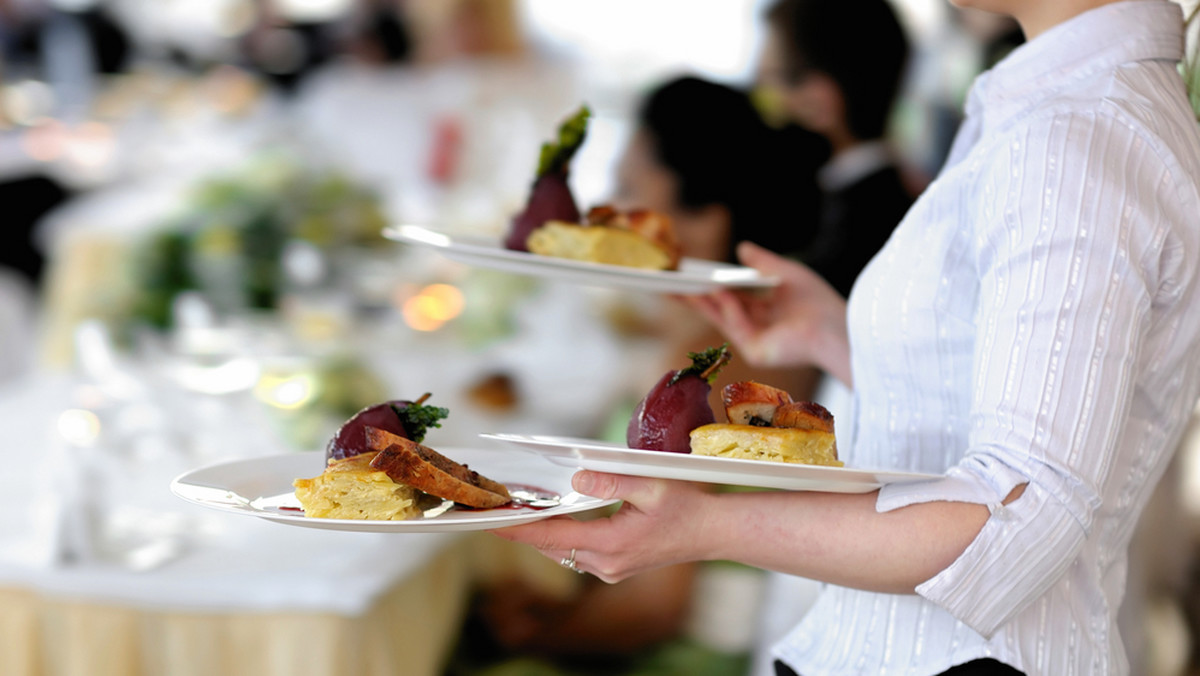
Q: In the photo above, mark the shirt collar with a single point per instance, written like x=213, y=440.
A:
x=1097, y=40
x=850, y=166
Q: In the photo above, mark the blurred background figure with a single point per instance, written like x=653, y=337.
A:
x=967, y=43
x=70, y=46
x=378, y=33
x=285, y=49
x=815, y=72
x=701, y=154
x=454, y=29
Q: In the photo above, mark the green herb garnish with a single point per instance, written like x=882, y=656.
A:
x=555, y=156
x=706, y=364
x=417, y=418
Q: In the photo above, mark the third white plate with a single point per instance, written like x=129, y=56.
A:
x=693, y=276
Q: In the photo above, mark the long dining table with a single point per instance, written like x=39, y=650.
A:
x=105, y=572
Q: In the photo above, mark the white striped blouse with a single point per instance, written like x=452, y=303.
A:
x=1034, y=319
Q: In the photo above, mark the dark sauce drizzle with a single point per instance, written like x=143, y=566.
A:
x=530, y=497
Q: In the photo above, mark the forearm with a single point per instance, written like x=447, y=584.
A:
x=832, y=348
x=841, y=539
x=830, y=537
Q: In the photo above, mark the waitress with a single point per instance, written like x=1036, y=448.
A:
x=1030, y=332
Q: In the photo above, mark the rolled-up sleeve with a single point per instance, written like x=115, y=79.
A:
x=1066, y=235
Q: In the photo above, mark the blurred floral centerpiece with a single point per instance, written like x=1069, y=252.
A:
x=261, y=267
x=248, y=237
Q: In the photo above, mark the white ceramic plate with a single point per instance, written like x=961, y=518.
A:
x=693, y=276
x=262, y=487
x=616, y=459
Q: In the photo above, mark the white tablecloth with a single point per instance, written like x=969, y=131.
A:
x=145, y=547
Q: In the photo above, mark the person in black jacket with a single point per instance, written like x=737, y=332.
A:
x=835, y=68
x=702, y=155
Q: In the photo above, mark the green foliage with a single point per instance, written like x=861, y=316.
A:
x=706, y=364
x=348, y=385
x=681, y=657
x=690, y=658
x=556, y=156
x=1189, y=68
x=229, y=239
x=164, y=274
x=417, y=418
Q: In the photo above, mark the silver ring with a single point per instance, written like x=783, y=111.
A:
x=569, y=562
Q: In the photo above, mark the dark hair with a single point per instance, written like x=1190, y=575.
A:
x=858, y=43
x=713, y=140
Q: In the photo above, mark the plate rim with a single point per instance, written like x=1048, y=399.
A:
x=473, y=249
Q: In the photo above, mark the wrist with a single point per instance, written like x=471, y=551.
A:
x=714, y=528
x=728, y=513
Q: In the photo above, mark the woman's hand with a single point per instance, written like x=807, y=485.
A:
x=660, y=523
x=800, y=322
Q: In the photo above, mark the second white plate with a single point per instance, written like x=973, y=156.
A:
x=693, y=276
x=616, y=459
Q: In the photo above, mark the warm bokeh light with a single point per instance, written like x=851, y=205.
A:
x=79, y=427
x=92, y=145
x=287, y=392
x=445, y=301
x=45, y=141
x=435, y=305
x=416, y=315
x=27, y=101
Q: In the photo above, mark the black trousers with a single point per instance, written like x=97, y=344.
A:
x=988, y=667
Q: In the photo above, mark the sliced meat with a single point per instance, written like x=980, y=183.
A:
x=423, y=468
x=804, y=415
x=752, y=403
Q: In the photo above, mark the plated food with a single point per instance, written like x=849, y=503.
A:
x=637, y=239
x=550, y=197
x=351, y=488
x=764, y=423
x=424, y=469
x=551, y=224
x=377, y=469
x=263, y=488
x=551, y=237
